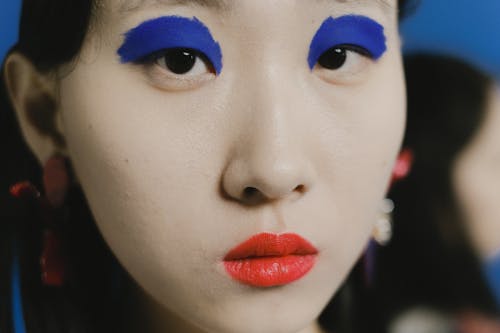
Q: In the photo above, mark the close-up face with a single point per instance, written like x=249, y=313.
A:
x=477, y=179
x=235, y=154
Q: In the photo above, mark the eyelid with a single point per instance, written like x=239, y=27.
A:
x=355, y=30
x=170, y=32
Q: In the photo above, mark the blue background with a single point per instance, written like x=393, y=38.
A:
x=9, y=19
x=469, y=29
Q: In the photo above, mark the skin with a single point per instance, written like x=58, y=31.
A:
x=164, y=163
x=477, y=181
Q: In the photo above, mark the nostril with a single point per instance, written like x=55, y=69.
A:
x=300, y=188
x=250, y=192
x=253, y=196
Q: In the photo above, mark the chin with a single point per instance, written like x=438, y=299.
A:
x=273, y=324
x=267, y=315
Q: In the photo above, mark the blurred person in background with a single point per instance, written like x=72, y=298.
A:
x=441, y=271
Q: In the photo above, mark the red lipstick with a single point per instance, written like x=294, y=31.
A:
x=268, y=260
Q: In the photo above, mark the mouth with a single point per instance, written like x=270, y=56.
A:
x=270, y=260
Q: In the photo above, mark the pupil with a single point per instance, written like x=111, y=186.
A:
x=333, y=58
x=180, y=61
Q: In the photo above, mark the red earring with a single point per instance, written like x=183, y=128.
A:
x=403, y=165
x=55, y=180
x=52, y=261
x=56, y=183
x=24, y=190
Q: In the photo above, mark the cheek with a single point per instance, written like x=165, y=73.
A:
x=367, y=125
x=360, y=132
x=143, y=167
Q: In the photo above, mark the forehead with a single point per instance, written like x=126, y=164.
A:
x=226, y=5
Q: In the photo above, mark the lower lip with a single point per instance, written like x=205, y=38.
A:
x=270, y=271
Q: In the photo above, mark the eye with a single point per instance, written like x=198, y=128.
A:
x=183, y=62
x=178, y=69
x=343, y=64
x=336, y=57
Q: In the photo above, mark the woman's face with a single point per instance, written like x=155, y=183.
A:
x=185, y=155
x=477, y=178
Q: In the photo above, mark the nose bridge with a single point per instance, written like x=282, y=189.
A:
x=273, y=135
x=270, y=159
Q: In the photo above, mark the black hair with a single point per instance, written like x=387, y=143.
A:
x=430, y=261
x=88, y=302
x=51, y=34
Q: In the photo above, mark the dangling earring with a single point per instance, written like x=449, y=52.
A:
x=382, y=231
x=381, y=235
x=52, y=259
x=56, y=181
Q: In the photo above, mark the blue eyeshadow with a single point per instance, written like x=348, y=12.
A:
x=356, y=30
x=170, y=32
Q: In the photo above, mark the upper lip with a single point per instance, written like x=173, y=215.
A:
x=271, y=245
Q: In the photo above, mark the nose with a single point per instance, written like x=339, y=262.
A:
x=266, y=177
x=270, y=161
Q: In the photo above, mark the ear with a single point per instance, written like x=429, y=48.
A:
x=34, y=98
